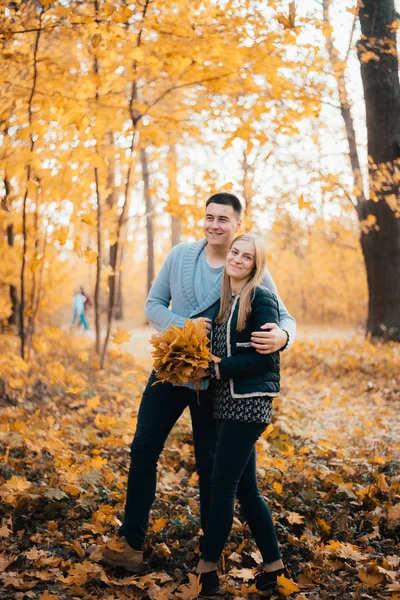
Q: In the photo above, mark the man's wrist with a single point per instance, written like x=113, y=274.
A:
x=287, y=341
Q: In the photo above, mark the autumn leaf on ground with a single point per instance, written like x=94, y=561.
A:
x=121, y=336
x=294, y=518
x=47, y=596
x=371, y=579
x=159, y=524
x=18, y=484
x=394, y=512
x=191, y=590
x=287, y=586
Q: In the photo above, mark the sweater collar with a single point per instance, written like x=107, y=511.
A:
x=188, y=270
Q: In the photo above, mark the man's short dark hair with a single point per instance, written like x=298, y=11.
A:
x=227, y=199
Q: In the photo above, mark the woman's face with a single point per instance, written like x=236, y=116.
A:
x=241, y=259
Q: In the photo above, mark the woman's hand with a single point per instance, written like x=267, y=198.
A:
x=198, y=374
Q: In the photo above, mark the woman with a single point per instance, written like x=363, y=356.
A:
x=244, y=384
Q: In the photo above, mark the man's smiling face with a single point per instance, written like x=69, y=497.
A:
x=220, y=224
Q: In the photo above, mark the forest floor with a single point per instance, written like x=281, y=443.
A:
x=328, y=466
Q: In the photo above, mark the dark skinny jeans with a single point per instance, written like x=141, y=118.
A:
x=161, y=407
x=234, y=474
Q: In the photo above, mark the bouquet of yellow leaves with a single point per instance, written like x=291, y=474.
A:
x=180, y=351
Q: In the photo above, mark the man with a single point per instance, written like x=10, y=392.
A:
x=189, y=280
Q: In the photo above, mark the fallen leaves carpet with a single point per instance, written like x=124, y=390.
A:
x=328, y=467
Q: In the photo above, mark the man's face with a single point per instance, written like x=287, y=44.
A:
x=220, y=224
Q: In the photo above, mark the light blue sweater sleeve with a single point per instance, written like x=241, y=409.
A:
x=286, y=321
x=156, y=309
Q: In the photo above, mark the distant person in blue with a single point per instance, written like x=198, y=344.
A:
x=188, y=286
x=78, y=305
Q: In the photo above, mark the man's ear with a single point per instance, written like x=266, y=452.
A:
x=239, y=224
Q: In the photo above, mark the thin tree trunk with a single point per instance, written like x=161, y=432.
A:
x=247, y=193
x=97, y=289
x=99, y=232
x=381, y=245
x=149, y=218
x=30, y=325
x=14, y=317
x=135, y=118
x=173, y=192
x=25, y=197
x=119, y=304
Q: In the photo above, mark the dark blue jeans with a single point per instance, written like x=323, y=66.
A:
x=235, y=474
x=161, y=407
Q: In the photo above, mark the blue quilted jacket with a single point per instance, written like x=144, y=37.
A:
x=250, y=373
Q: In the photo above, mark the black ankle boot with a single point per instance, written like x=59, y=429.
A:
x=209, y=583
x=266, y=582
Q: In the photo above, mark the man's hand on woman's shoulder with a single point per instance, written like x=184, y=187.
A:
x=271, y=339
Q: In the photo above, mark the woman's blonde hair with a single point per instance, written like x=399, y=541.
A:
x=246, y=295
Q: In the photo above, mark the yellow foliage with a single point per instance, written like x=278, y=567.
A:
x=178, y=352
x=121, y=336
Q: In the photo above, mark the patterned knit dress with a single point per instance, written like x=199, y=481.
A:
x=255, y=409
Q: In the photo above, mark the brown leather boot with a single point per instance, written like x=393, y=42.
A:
x=121, y=554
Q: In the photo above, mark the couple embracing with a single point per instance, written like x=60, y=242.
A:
x=222, y=280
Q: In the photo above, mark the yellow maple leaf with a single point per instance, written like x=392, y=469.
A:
x=303, y=203
x=98, y=463
x=277, y=487
x=89, y=219
x=47, y=596
x=323, y=525
x=35, y=262
x=394, y=512
x=295, y=518
x=369, y=55
x=121, y=336
x=90, y=255
x=372, y=579
x=159, y=524
x=289, y=21
x=104, y=422
x=93, y=402
x=287, y=586
x=62, y=235
x=163, y=550
x=19, y=484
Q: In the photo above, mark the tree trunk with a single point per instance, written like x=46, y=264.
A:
x=97, y=289
x=119, y=304
x=25, y=197
x=248, y=173
x=338, y=68
x=13, y=319
x=173, y=192
x=149, y=218
x=381, y=244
